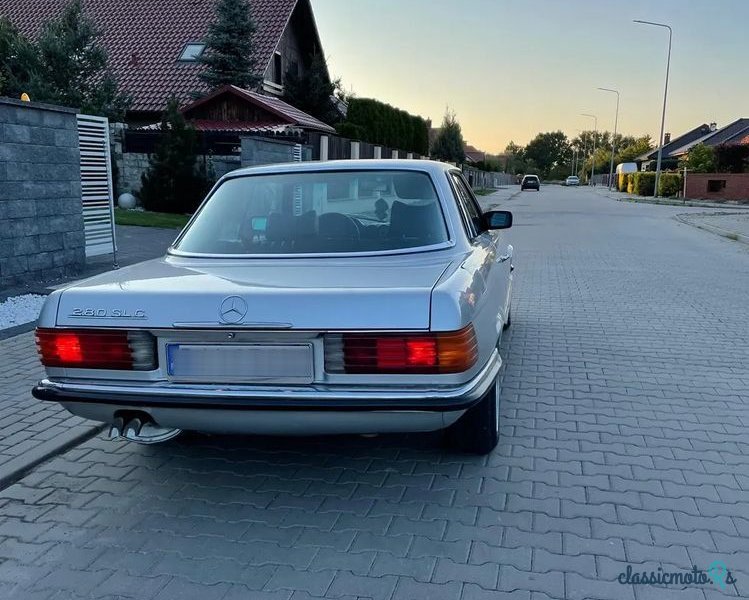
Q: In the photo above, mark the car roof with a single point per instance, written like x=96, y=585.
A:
x=536, y=176
x=430, y=166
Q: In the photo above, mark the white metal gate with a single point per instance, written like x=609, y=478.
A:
x=96, y=185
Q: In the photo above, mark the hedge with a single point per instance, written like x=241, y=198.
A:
x=380, y=123
x=669, y=185
x=644, y=183
x=621, y=182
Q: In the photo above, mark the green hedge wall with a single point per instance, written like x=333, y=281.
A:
x=644, y=183
x=380, y=123
x=669, y=184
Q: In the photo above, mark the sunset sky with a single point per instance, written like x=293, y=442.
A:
x=512, y=68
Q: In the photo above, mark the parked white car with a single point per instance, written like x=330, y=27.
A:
x=314, y=298
x=572, y=180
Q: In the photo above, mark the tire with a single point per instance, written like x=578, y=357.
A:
x=477, y=431
x=506, y=326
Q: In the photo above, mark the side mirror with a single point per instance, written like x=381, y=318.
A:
x=498, y=219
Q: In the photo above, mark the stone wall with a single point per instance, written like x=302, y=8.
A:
x=263, y=151
x=41, y=220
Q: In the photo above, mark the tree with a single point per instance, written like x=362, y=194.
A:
x=313, y=91
x=547, y=150
x=229, y=53
x=732, y=158
x=637, y=148
x=699, y=159
x=18, y=60
x=449, y=145
x=174, y=182
x=69, y=67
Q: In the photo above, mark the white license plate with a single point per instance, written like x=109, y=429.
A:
x=241, y=363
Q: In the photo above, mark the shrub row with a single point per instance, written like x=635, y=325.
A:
x=643, y=183
x=379, y=123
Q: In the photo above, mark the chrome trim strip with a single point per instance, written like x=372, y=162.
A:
x=471, y=390
x=217, y=324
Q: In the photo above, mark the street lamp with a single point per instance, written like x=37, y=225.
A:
x=665, y=96
x=593, y=156
x=613, y=139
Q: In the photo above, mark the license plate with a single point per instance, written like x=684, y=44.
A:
x=241, y=363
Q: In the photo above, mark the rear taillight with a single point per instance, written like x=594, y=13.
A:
x=401, y=353
x=97, y=349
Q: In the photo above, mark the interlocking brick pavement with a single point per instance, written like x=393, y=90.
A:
x=624, y=409
x=29, y=430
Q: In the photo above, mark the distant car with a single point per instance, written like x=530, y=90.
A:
x=309, y=298
x=572, y=180
x=530, y=182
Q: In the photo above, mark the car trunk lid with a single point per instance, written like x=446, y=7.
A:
x=387, y=292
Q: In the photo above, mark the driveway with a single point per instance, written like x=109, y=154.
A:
x=624, y=407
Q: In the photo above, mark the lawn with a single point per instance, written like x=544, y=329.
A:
x=149, y=219
x=484, y=191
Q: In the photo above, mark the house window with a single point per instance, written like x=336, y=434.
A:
x=191, y=52
x=716, y=185
x=277, y=69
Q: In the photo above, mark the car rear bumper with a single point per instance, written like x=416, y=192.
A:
x=124, y=396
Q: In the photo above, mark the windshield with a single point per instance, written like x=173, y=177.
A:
x=322, y=212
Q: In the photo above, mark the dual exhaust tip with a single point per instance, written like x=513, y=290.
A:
x=140, y=429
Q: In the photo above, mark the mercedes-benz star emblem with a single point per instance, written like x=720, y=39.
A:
x=233, y=309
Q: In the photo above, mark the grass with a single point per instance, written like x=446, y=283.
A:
x=149, y=219
x=483, y=191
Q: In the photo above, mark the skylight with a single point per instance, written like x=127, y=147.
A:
x=192, y=51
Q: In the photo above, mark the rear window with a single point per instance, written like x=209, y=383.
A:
x=531, y=178
x=322, y=212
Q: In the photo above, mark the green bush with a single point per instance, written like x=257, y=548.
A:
x=630, y=183
x=644, y=183
x=380, y=123
x=621, y=182
x=669, y=184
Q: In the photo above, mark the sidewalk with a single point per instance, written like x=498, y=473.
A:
x=624, y=197
x=31, y=431
x=495, y=199
x=734, y=226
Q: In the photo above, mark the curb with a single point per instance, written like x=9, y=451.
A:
x=686, y=203
x=731, y=235
x=17, y=468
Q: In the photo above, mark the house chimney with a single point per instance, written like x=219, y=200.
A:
x=713, y=126
x=666, y=138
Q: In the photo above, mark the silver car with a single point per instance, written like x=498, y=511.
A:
x=315, y=298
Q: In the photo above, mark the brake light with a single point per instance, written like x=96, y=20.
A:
x=97, y=349
x=407, y=353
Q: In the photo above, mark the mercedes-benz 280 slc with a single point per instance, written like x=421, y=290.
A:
x=310, y=298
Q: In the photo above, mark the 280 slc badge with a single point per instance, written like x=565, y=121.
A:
x=103, y=313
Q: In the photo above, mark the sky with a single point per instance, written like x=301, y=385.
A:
x=513, y=68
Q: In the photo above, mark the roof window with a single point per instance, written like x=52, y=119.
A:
x=192, y=52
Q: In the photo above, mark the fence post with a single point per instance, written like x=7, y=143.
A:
x=378, y=152
x=410, y=156
x=355, y=150
x=323, y=147
x=394, y=154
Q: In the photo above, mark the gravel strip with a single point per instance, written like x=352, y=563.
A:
x=18, y=310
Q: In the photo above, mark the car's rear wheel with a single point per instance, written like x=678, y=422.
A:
x=477, y=431
x=507, y=323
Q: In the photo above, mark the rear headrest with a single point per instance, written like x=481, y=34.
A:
x=413, y=186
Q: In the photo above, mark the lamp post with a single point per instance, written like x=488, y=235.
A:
x=593, y=156
x=613, y=139
x=665, y=97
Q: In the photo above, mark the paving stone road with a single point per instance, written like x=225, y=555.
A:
x=624, y=407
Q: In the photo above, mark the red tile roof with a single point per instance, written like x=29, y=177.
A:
x=286, y=113
x=144, y=39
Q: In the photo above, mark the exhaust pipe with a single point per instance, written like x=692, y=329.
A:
x=139, y=428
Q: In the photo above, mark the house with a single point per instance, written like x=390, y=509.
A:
x=733, y=133
x=647, y=161
x=154, y=45
x=474, y=155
